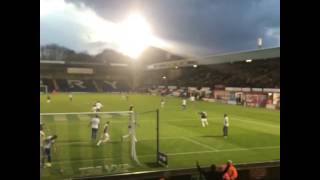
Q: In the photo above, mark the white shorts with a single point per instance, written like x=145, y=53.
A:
x=204, y=120
x=105, y=136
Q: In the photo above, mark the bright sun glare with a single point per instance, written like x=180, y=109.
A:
x=134, y=35
x=130, y=36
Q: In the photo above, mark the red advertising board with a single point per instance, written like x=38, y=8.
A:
x=256, y=100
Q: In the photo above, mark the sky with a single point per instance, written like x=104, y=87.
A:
x=186, y=27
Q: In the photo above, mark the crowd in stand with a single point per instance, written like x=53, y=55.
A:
x=259, y=73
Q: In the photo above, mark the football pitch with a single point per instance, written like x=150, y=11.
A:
x=254, y=134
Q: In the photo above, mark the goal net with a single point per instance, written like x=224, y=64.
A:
x=43, y=89
x=78, y=153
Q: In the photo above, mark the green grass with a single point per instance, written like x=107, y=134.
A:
x=254, y=134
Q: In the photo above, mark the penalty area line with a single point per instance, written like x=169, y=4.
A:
x=176, y=154
x=200, y=144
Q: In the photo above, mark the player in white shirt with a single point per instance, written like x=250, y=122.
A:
x=70, y=97
x=94, y=108
x=95, y=121
x=130, y=128
x=203, y=119
x=162, y=103
x=225, y=126
x=184, y=104
x=41, y=125
x=42, y=134
x=48, y=143
x=99, y=106
x=105, y=137
x=42, y=137
x=185, y=94
x=192, y=98
x=130, y=133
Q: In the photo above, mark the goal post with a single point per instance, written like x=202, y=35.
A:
x=77, y=150
x=43, y=89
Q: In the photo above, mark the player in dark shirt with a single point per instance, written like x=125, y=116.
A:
x=203, y=119
x=105, y=137
x=48, y=99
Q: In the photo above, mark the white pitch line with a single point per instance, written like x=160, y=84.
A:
x=177, y=154
x=217, y=120
x=246, y=149
x=198, y=143
x=184, y=138
x=177, y=120
x=87, y=113
x=257, y=123
x=231, y=119
x=89, y=142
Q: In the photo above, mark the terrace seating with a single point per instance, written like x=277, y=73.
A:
x=112, y=86
x=76, y=85
x=262, y=73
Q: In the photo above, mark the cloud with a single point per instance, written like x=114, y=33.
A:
x=273, y=34
x=72, y=26
x=82, y=29
x=190, y=26
x=216, y=26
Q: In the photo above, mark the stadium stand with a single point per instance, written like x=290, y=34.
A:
x=262, y=73
x=112, y=86
x=48, y=83
x=111, y=72
x=76, y=85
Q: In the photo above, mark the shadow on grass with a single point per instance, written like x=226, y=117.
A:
x=83, y=145
x=153, y=165
x=92, y=144
x=55, y=172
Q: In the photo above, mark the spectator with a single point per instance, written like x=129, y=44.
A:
x=231, y=172
x=213, y=174
x=166, y=176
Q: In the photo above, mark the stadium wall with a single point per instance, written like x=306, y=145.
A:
x=251, y=171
